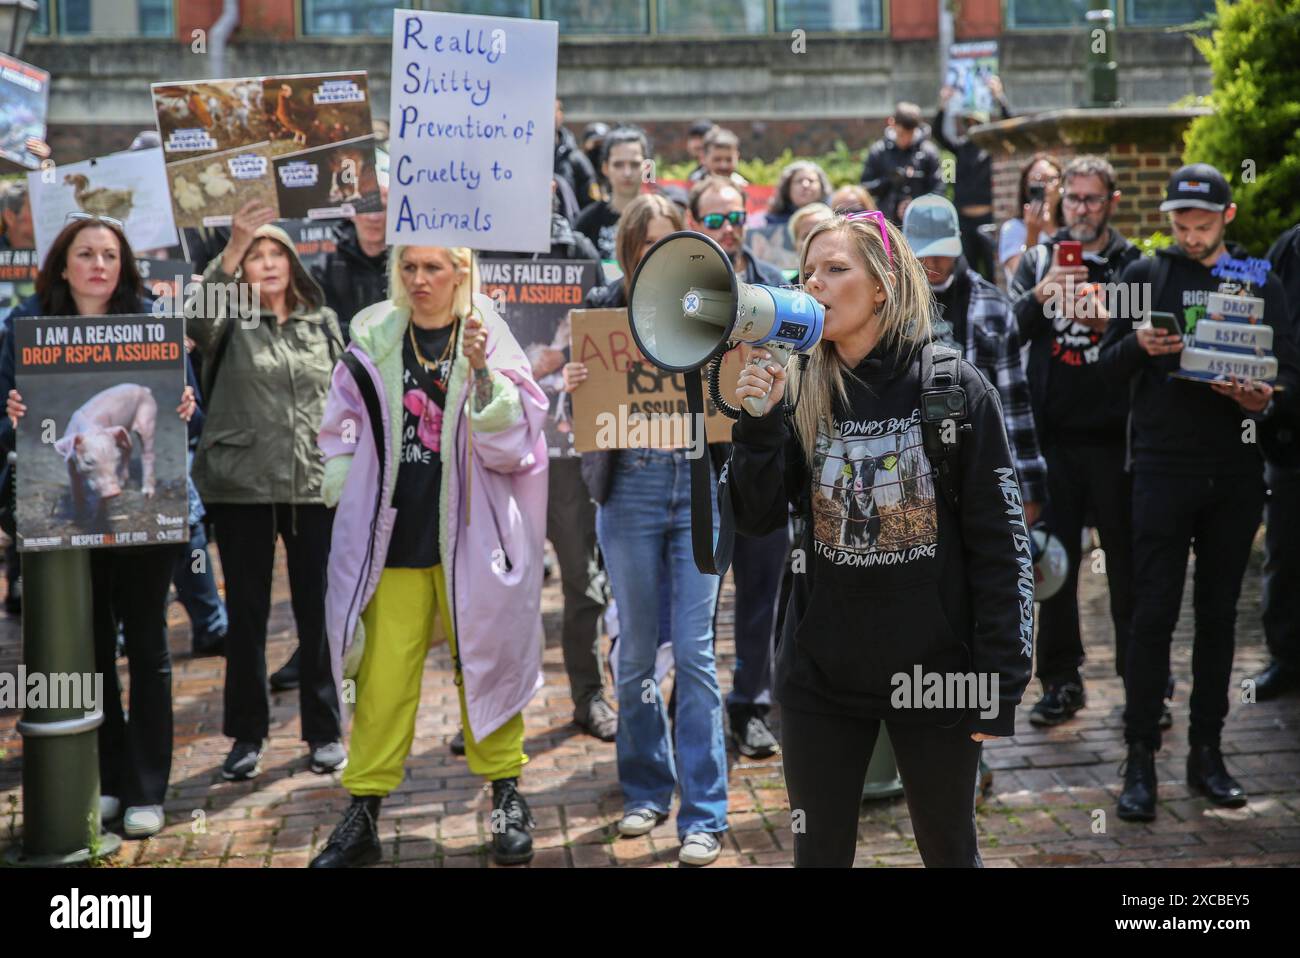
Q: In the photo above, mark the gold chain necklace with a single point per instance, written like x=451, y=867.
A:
x=433, y=367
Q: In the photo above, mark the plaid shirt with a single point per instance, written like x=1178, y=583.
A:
x=993, y=347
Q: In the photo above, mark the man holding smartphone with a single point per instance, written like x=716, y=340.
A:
x=1197, y=482
x=1080, y=421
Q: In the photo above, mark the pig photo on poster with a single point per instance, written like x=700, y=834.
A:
x=101, y=452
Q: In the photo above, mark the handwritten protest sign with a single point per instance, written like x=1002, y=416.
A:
x=101, y=448
x=130, y=187
x=472, y=131
x=534, y=298
x=627, y=402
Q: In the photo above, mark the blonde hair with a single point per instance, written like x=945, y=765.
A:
x=905, y=318
x=634, y=224
x=461, y=257
x=802, y=213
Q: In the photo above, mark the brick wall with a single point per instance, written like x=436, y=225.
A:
x=1145, y=147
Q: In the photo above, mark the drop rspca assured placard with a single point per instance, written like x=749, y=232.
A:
x=1237, y=337
x=1211, y=364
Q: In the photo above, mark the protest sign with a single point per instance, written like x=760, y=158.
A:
x=627, y=401
x=471, y=135
x=534, y=298
x=969, y=67
x=130, y=187
x=165, y=279
x=24, y=100
x=101, y=450
x=18, y=269
x=301, y=144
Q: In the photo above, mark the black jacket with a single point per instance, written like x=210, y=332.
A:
x=973, y=185
x=566, y=243
x=894, y=580
x=891, y=173
x=572, y=166
x=1179, y=427
x=350, y=279
x=1037, y=330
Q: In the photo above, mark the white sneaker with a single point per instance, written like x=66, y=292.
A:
x=700, y=848
x=110, y=806
x=141, y=821
x=639, y=821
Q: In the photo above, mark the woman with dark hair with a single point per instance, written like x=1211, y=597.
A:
x=802, y=183
x=1039, y=201
x=643, y=522
x=90, y=271
x=266, y=372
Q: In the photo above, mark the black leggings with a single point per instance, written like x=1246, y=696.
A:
x=826, y=758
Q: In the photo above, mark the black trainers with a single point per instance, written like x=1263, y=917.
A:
x=510, y=823
x=355, y=840
x=1137, y=803
x=751, y=734
x=243, y=762
x=600, y=721
x=286, y=677
x=1058, y=704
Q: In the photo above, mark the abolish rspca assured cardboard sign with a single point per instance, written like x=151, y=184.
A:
x=101, y=450
x=627, y=402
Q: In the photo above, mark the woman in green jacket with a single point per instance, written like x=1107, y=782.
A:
x=269, y=345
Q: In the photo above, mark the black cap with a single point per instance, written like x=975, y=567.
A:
x=1197, y=186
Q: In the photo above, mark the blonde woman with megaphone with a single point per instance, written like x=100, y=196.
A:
x=911, y=610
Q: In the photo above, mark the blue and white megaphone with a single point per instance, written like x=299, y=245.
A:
x=685, y=306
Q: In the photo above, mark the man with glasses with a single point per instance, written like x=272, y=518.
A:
x=1081, y=422
x=717, y=209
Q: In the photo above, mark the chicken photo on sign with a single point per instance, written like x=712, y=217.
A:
x=301, y=144
x=129, y=187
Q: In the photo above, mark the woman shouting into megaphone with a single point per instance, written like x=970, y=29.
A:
x=914, y=602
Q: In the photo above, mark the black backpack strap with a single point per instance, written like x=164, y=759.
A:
x=371, y=399
x=944, y=411
x=709, y=559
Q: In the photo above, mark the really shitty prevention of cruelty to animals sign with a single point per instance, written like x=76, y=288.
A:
x=472, y=131
x=101, y=449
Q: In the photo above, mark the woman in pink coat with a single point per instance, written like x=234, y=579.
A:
x=441, y=538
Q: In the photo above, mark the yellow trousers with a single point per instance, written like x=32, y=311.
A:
x=399, y=625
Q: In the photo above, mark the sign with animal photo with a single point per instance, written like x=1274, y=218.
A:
x=629, y=403
x=127, y=187
x=534, y=298
x=24, y=101
x=303, y=144
x=101, y=450
x=969, y=67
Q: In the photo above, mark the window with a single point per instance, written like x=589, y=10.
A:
x=41, y=25
x=1141, y=13
x=711, y=17
x=156, y=18
x=105, y=18
x=1030, y=14
x=74, y=16
x=349, y=17
x=598, y=16
x=825, y=15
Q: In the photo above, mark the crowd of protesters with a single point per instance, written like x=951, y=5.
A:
x=378, y=399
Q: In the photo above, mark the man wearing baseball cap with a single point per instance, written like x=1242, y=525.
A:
x=1197, y=481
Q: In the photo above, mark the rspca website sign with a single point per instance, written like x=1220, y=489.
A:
x=472, y=131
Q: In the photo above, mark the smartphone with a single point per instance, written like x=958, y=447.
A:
x=1166, y=321
x=1037, y=192
x=1069, y=253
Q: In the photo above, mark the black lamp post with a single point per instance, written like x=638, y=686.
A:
x=16, y=17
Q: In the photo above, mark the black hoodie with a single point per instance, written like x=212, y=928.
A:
x=1180, y=427
x=351, y=279
x=893, y=579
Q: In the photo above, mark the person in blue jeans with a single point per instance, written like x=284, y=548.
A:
x=646, y=522
x=196, y=586
x=643, y=525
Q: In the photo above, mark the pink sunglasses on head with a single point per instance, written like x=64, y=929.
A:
x=879, y=218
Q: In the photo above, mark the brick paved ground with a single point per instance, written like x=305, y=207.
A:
x=1047, y=783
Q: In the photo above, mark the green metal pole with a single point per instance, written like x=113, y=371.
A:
x=1101, y=84
x=61, y=823
x=882, y=772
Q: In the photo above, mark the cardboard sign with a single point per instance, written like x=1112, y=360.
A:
x=101, y=450
x=130, y=187
x=471, y=134
x=534, y=298
x=301, y=144
x=627, y=402
x=24, y=101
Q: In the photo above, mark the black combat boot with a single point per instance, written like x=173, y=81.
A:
x=510, y=823
x=1137, y=803
x=355, y=840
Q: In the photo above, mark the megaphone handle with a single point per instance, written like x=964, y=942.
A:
x=757, y=405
